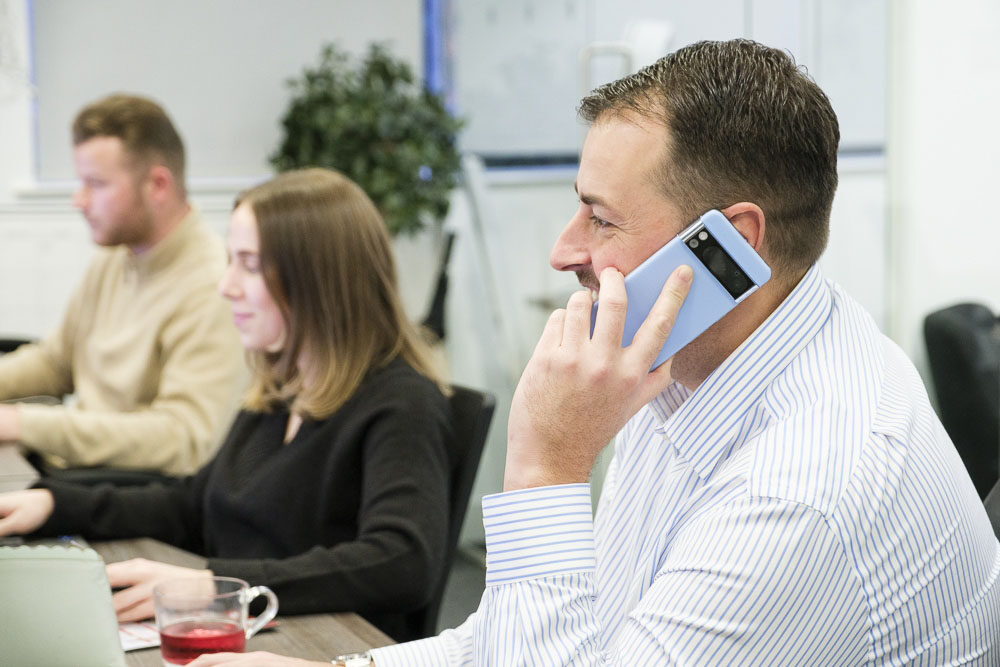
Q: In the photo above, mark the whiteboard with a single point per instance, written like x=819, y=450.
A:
x=518, y=79
x=219, y=67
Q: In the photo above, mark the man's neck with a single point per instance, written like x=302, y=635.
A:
x=164, y=222
x=696, y=361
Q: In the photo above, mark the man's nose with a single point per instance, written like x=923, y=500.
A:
x=571, y=251
x=80, y=198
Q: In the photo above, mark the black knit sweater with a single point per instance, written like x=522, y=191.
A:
x=351, y=515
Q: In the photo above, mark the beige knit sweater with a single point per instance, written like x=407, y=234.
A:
x=149, y=349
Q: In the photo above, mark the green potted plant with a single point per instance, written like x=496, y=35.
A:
x=373, y=122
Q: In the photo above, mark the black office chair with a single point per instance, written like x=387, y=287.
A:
x=434, y=321
x=963, y=348
x=472, y=412
x=94, y=475
x=992, y=503
x=11, y=344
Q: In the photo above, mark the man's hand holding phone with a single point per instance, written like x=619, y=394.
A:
x=578, y=390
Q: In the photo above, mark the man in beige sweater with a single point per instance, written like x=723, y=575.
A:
x=146, y=345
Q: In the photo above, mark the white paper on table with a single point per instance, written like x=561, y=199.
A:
x=138, y=635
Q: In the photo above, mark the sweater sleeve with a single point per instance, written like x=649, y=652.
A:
x=201, y=369
x=396, y=559
x=44, y=368
x=167, y=511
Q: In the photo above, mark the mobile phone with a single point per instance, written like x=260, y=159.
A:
x=726, y=271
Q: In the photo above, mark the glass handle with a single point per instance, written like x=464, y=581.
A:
x=269, y=613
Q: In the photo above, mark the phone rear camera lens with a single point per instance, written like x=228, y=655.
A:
x=693, y=243
x=725, y=270
x=716, y=261
x=703, y=235
x=737, y=283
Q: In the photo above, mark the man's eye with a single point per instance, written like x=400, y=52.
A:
x=599, y=223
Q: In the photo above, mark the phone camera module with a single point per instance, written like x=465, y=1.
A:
x=725, y=270
x=715, y=260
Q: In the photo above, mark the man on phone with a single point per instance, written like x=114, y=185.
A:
x=781, y=492
x=146, y=344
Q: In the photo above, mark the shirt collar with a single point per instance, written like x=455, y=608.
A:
x=703, y=424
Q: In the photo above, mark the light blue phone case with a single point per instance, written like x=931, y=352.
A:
x=708, y=299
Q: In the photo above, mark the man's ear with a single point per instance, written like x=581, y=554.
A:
x=748, y=219
x=160, y=181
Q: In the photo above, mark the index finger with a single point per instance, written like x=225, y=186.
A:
x=132, y=604
x=612, y=305
x=121, y=573
x=653, y=332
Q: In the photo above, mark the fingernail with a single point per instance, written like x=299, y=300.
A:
x=611, y=268
x=684, y=273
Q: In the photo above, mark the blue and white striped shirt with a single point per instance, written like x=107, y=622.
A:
x=803, y=507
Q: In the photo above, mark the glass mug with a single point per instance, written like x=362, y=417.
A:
x=207, y=615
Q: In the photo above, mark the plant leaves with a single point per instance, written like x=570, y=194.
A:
x=369, y=119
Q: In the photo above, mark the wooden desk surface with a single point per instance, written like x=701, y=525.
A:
x=314, y=637
x=15, y=471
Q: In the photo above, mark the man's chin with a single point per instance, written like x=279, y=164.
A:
x=104, y=240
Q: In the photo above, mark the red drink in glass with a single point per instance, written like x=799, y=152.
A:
x=182, y=642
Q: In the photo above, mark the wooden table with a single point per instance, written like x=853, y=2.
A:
x=314, y=636
x=15, y=471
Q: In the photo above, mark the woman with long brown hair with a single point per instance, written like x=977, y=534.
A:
x=331, y=487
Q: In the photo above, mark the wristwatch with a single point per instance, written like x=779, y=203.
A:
x=354, y=660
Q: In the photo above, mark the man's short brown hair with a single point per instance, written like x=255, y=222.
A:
x=143, y=126
x=744, y=123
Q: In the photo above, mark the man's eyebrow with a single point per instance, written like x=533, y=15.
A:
x=590, y=200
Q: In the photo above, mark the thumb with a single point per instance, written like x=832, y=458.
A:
x=655, y=383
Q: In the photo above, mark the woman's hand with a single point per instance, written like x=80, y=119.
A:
x=23, y=512
x=255, y=659
x=136, y=578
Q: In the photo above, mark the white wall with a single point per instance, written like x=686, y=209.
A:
x=220, y=67
x=15, y=97
x=942, y=171
x=944, y=139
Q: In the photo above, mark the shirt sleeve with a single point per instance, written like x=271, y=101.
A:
x=201, y=370
x=524, y=540
x=738, y=584
x=451, y=648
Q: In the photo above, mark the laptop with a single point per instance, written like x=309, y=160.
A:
x=56, y=608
